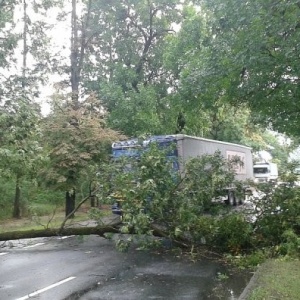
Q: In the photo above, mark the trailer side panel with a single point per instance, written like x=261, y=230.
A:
x=189, y=147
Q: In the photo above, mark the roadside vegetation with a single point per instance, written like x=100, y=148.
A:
x=130, y=68
x=50, y=219
x=277, y=279
x=190, y=209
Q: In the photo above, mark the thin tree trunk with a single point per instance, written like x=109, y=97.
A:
x=25, y=48
x=70, y=203
x=74, y=57
x=17, y=200
x=91, y=195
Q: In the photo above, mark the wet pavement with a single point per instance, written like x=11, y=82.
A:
x=90, y=268
x=153, y=275
x=111, y=275
x=156, y=275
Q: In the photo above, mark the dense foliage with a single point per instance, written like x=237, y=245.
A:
x=225, y=70
x=190, y=210
x=256, y=50
x=151, y=190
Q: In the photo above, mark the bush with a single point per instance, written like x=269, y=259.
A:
x=232, y=234
x=7, y=189
x=41, y=209
x=279, y=211
x=290, y=245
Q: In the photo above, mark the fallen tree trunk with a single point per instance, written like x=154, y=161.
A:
x=27, y=234
x=100, y=230
x=160, y=232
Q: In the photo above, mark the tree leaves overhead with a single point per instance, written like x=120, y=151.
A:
x=125, y=60
x=200, y=86
x=126, y=35
x=7, y=39
x=77, y=138
x=261, y=49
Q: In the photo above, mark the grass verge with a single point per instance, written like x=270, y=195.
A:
x=277, y=279
x=52, y=220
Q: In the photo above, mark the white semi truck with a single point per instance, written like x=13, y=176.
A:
x=188, y=147
x=265, y=172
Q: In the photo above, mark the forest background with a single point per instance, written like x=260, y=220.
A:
x=226, y=70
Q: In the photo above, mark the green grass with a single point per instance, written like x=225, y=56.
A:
x=36, y=223
x=47, y=217
x=277, y=279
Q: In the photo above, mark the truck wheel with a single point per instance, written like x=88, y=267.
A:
x=241, y=201
x=231, y=198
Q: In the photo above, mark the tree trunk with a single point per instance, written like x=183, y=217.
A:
x=93, y=201
x=17, y=200
x=78, y=48
x=99, y=230
x=15, y=235
x=25, y=48
x=70, y=203
x=92, y=196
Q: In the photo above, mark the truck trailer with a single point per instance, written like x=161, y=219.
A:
x=187, y=147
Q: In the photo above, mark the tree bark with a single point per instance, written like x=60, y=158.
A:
x=25, y=47
x=70, y=203
x=17, y=200
x=16, y=235
x=98, y=230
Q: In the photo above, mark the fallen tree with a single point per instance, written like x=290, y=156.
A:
x=99, y=230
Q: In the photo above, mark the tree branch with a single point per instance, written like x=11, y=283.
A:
x=75, y=209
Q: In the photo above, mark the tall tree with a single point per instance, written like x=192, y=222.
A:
x=20, y=88
x=200, y=88
x=77, y=139
x=125, y=61
x=79, y=42
x=20, y=151
x=73, y=112
x=258, y=41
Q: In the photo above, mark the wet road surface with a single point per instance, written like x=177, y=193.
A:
x=90, y=267
x=167, y=277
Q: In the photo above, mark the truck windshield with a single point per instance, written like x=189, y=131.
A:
x=126, y=152
x=260, y=170
x=135, y=151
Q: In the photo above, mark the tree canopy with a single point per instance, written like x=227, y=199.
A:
x=225, y=70
x=258, y=52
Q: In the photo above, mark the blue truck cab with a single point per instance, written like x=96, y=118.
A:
x=134, y=148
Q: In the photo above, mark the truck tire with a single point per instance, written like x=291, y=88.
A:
x=231, y=198
x=241, y=200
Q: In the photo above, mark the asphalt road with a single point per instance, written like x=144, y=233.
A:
x=90, y=268
x=55, y=268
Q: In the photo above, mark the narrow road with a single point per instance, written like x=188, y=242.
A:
x=55, y=268
x=90, y=267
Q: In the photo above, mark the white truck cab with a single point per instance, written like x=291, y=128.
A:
x=265, y=172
